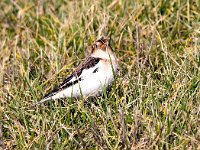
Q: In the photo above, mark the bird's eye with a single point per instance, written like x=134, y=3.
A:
x=95, y=46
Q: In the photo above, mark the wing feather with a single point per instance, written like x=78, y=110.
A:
x=75, y=77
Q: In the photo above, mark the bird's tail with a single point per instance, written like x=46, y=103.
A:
x=43, y=100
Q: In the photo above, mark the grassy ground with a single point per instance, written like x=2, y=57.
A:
x=155, y=101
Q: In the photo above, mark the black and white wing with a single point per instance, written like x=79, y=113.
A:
x=74, y=78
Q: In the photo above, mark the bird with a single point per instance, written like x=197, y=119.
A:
x=95, y=73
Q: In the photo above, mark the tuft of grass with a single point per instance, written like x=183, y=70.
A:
x=154, y=102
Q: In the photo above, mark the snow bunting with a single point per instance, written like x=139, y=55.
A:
x=91, y=76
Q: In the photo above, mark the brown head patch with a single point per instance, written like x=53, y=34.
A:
x=100, y=44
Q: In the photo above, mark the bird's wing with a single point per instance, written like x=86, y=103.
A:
x=75, y=77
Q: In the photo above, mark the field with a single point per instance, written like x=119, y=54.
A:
x=154, y=102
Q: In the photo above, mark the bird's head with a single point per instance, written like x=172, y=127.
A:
x=101, y=44
x=101, y=48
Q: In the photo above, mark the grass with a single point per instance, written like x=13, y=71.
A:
x=155, y=101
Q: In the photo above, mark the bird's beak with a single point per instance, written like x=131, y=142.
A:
x=107, y=42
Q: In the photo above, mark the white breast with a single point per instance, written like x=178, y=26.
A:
x=91, y=83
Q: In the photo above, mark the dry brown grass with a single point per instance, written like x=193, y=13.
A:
x=155, y=101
